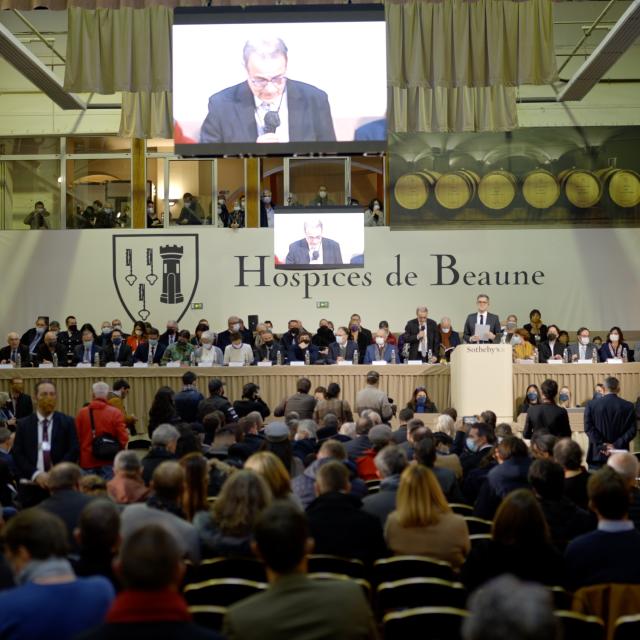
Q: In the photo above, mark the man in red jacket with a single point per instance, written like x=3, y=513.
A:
x=107, y=421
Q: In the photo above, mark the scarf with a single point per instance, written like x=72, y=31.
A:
x=148, y=606
x=49, y=568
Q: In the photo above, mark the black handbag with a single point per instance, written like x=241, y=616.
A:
x=104, y=447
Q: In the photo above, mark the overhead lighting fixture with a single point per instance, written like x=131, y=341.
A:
x=606, y=54
x=30, y=66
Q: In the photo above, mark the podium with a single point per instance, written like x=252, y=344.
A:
x=482, y=379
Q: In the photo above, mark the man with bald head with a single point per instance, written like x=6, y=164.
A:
x=313, y=248
x=627, y=465
x=10, y=353
x=234, y=325
x=421, y=337
x=449, y=339
x=51, y=351
x=268, y=107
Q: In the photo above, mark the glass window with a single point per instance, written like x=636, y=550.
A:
x=155, y=178
x=99, y=193
x=98, y=144
x=190, y=191
x=231, y=189
x=29, y=146
x=306, y=177
x=24, y=183
x=160, y=145
x=367, y=183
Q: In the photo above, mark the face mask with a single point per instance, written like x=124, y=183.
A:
x=564, y=397
x=39, y=209
x=236, y=345
x=532, y=396
x=268, y=341
x=303, y=345
x=73, y=328
x=52, y=344
x=472, y=445
x=47, y=405
x=106, y=330
x=117, y=326
x=379, y=341
x=421, y=400
x=39, y=330
x=515, y=340
x=117, y=341
x=584, y=340
x=207, y=346
x=445, y=329
x=511, y=326
x=294, y=331
x=220, y=201
x=242, y=204
x=376, y=207
x=171, y=331
x=266, y=199
x=187, y=203
x=322, y=194
x=597, y=394
x=614, y=337
x=354, y=327
x=150, y=210
x=87, y=343
x=154, y=342
x=235, y=327
x=552, y=336
x=341, y=339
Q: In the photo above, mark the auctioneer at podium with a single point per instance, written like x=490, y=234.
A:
x=481, y=379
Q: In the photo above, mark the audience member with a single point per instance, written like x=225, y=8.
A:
x=531, y=398
x=547, y=416
x=188, y=399
x=373, y=398
x=302, y=401
x=608, y=554
x=127, y=485
x=336, y=521
x=400, y=434
x=390, y=462
x=20, y=403
x=379, y=436
x=361, y=443
x=626, y=464
x=217, y=402
x=333, y=404
x=294, y=606
x=163, y=410
x=425, y=454
x=118, y=395
x=423, y=523
x=270, y=468
x=568, y=454
x=479, y=444
x=163, y=446
x=542, y=445
x=420, y=402
x=251, y=401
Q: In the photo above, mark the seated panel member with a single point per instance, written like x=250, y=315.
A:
x=449, y=339
x=302, y=346
x=268, y=348
x=118, y=350
x=583, y=349
x=313, y=248
x=87, y=351
x=48, y=348
x=381, y=350
x=421, y=336
x=342, y=348
x=13, y=349
x=152, y=348
x=551, y=348
x=268, y=106
x=482, y=316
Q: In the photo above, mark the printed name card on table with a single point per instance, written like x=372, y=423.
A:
x=555, y=362
x=345, y=363
x=236, y=364
x=415, y=362
x=614, y=360
x=297, y=363
x=585, y=361
x=173, y=364
x=83, y=365
x=112, y=365
x=265, y=363
x=45, y=365
x=379, y=363
x=6, y=365
x=140, y=365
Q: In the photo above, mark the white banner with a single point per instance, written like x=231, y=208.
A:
x=574, y=276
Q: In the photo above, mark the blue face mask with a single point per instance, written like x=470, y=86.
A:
x=117, y=341
x=472, y=445
x=564, y=397
x=532, y=396
x=421, y=400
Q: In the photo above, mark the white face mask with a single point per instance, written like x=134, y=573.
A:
x=584, y=340
x=150, y=210
x=235, y=327
x=341, y=339
x=322, y=194
x=445, y=329
x=379, y=341
x=266, y=199
x=376, y=207
x=614, y=337
x=515, y=340
x=207, y=346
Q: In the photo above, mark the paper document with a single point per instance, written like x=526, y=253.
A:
x=482, y=331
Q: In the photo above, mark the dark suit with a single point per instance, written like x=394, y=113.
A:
x=335, y=351
x=410, y=337
x=78, y=354
x=267, y=352
x=22, y=406
x=231, y=116
x=608, y=420
x=125, y=356
x=164, y=339
x=142, y=353
x=187, y=402
x=29, y=336
x=63, y=437
x=43, y=353
x=5, y=354
x=69, y=340
x=470, y=325
x=547, y=418
x=299, y=252
x=545, y=351
x=295, y=353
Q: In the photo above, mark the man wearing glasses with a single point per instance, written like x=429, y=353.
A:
x=268, y=107
x=313, y=248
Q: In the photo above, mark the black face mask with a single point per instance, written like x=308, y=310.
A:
x=171, y=331
x=73, y=328
x=294, y=332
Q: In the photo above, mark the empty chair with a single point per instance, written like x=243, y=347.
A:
x=576, y=626
x=426, y=623
x=478, y=525
x=401, y=567
x=208, y=616
x=233, y=567
x=352, y=567
x=627, y=628
x=221, y=592
x=461, y=509
x=420, y=592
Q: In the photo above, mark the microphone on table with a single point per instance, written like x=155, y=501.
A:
x=271, y=121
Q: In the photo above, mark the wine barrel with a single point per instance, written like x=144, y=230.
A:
x=622, y=186
x=582, y=188
x=456, y=189
x=497, y=189
x=412, y=190
x=540, y=189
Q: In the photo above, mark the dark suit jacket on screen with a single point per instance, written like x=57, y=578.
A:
x=299, y=252
x=231, y=116
x=64, y=443
x=470, y=325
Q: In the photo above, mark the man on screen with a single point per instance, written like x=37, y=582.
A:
x=313, y=248
x=268, y=107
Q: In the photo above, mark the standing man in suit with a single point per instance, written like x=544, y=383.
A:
x=313, y=248
x=268, y=107
x=117, y=350
x=70, y=338
x=88, y=350
x=584, y=349
x=342, y=348
x=610, y=423
x=361, y=336
x=153, y=349
x=13, y=349
x=33, y=337
x=43, y=439
x=551, y=348
x=293, y=604
x=267, y=210
x=422, y=336
x=482, y=316
x=170, y=335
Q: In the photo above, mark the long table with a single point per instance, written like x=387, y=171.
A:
x=399, y=381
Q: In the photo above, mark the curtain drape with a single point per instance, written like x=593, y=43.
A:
x=453, y=65
x=125, y=50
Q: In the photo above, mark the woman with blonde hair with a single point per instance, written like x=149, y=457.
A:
x=226, y=529
x=270, y=467
x=423, y=523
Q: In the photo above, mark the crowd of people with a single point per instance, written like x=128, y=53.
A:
x=105, y=519
x=423, y=340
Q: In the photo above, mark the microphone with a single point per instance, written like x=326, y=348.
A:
x=271, y=121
